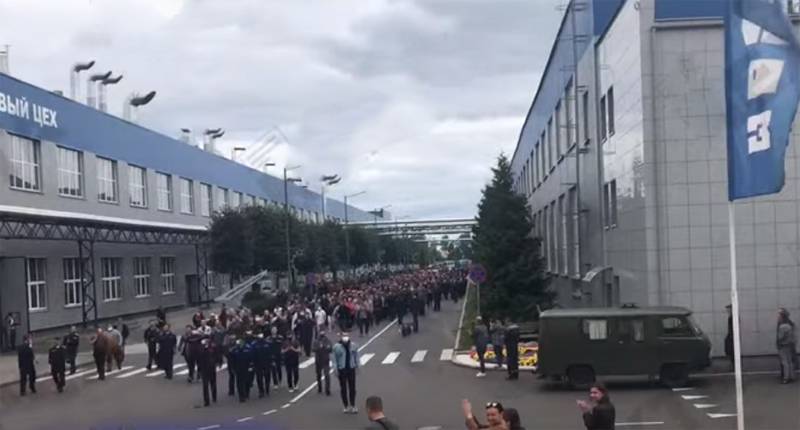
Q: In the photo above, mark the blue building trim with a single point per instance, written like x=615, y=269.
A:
x=33, y=112
x=689, y=9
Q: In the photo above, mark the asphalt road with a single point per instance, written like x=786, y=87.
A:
x=425, y=392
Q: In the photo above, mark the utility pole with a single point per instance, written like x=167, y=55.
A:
x=286, y=180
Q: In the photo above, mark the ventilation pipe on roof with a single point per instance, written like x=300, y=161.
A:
x=209, y=137
x=101, y=91
x=4, y=54
x=186, y=136
x=75, y=80
x=91, y=99
x=130, y=109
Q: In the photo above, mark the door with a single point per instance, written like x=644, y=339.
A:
x=631, y=348
x=192, y=289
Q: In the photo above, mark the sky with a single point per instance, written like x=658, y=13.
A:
x=408, y=100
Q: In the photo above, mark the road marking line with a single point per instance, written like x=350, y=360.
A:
x=721, y=415
x=419, y=356
x=241, y=420
x=161, y=372
x=270, y=412
x=704, y=405
x=131, y=373
x=307, y=363
x=286, y=406
x=215, y=426
x=694, y=397
x=79, y=374
x=390, y=358
x=682, y=389
x=447, y=354
x=113, y=372
x=365, y=358
x=223, y=367
x=641, y=424
x=183, y=372
x=313, y=385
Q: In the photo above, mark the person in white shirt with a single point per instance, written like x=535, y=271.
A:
x=321, y=320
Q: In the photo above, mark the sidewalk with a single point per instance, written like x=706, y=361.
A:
x=42, y=341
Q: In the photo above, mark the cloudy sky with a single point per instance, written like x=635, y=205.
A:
x=410, y=100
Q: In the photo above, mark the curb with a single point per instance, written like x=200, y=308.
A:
x=462, y=359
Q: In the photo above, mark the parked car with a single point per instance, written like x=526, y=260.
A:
x=578, y=344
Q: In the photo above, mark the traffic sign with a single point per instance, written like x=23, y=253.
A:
x=477, y=273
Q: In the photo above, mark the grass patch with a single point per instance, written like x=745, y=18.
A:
x=470, y=313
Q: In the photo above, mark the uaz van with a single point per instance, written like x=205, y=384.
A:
x=579, y=344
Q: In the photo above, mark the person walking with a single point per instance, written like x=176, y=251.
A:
x=322, y=361
x=377, y=418
x=207, y=368
x=785, y=342
x=101, y=346
x=276, y=345
x=345, y=356
x=192, y=349
x=291, y=359
x=57, y=357
x=498, y=334
x=166, y=350
x=263, y=364
x=71, y=343
x=243, y=361
x=512, y=351
x=27, y=366
x=151, y=335
x=481, y=339
x=599, y=412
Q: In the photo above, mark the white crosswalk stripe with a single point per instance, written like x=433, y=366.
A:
x=391, y=358
x=161, y=372
x=223, y=367
x=365, y=358
x=419, y=356
x=447, y=354
x=132, y=373
x=113, y=372
x=79, y=374
x=182, y=372
x=307, y=363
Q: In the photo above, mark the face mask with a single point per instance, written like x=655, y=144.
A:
x=345, y=339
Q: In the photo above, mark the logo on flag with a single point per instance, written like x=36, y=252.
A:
x=762, y=86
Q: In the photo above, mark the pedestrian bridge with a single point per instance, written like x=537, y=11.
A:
x=459, y=229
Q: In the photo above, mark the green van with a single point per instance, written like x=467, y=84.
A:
x=579, y=344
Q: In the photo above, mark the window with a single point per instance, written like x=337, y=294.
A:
x=141, y=276
x=205, y=200
x=575, y=253
x=212, y=280
x=563, y=248
x=106, y=180
x=167, y=275
x=553, y=237
x=568, y=123
x=610, y=108
x=550, y=144
x=262, y=202
x=630, y=330
x=72, y=282
x=35, y=272
x=24, y=158
x=586, y=137
x=111, y=279
x=603, y=118
x=70, y=173
x=610, y=204
x=558, y=131
x=532, y=170
x=676, y=327
x=222, y=198
x=164, y=185
x=595, y=329
x=793, y=6
x=138, y=186
x=250, y=200
x=187, y=196
x=236, y=199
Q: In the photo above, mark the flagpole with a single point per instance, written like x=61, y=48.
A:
x=737, y=344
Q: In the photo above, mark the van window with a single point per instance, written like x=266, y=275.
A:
x=638, y=330
x=595, y=329
x=630, y=330
x=676, y=327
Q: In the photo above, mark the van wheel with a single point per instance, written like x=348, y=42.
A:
x=674, y=375
x=580, y=377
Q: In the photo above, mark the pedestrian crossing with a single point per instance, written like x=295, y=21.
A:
x=181, y=369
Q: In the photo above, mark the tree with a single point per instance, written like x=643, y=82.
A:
x=502, y=242
x=231, y=243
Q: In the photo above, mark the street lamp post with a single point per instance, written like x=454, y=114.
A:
x=286, y=180
x=347, y=228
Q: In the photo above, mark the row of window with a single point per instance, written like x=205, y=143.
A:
x=556, y=225
x=559, y=136
x=25, y=174
x=110, y=278
x=627, y=329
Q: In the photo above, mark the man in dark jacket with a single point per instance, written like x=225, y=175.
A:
x=151, y=336
x=207, y=368
x=192, y=352
x=512, y=351
x=263, y=364
x=57, y=357
x=166, y=350
x=275, y=345
x=322, y=362
x=481, y=340
x=600, y=413
x=27, y=368
x=71, y=343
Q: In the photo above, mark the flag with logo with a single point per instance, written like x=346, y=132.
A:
x=762, y=86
